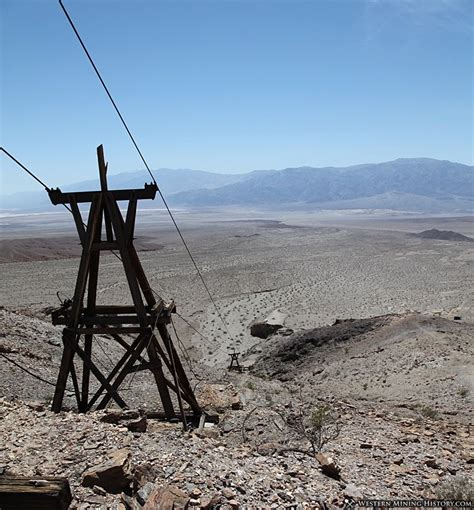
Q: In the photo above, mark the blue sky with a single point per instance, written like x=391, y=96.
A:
x=234, y=86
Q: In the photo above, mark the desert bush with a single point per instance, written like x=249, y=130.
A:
x=429, y=412
x=318, y=425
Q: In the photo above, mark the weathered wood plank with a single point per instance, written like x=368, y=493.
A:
x=58, y=197
x=40, y=493
x=76, y=214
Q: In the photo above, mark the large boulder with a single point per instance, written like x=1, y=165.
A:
x=167, y=498
x=113, y=475
x=264, y=329
x=328, y=466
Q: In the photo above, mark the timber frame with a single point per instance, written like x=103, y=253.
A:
x=142, y=322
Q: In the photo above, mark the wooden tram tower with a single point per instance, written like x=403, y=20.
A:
x=83, y=318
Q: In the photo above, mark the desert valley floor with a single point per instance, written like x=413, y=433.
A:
x=399, y=376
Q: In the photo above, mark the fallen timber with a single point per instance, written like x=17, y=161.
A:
x=45, y=493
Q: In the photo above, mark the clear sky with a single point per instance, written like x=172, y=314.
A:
x=234, y=86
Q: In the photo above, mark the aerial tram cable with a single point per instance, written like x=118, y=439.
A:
x=146, y=166
x=37, y=179
x=31, y=174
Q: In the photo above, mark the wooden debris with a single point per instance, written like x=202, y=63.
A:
x=21, y=493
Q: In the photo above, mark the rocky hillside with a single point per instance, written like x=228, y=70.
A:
x=412, y=360
x=393, y=392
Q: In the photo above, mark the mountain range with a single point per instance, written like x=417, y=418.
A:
x=409, y=184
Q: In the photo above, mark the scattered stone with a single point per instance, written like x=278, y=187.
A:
x=211, y=502
x=431, y=463
x=227, y=427
x=195, y=492
x=236, y=403
x=139, y=425
x=144, y=493
x=228, y=493
x=116, y=416
x=167, y=498
x=36, y=406
x=267, y=449
x=328, y=466
x=99, y=490
x=113, y=475
x=285, y=331
x=128, y=502
x=143, y=473
x=211, y=433
x=351, y=491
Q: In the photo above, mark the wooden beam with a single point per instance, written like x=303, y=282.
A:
x=105, y=245
x=91, y=309
x=160, y=379
x=182, y=377
x=86, y=373
x=113, y=309
x=38, y=493
x=92, y=226
x=113, y=319
x=142, y=279
x=66, y=360
x=58, y=197
x=104, y=187
x=109, y=330
x=102, y=168
x=130, y=219
x=75, y=385
x=76, y=214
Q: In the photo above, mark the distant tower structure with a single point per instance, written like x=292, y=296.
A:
x=234, y=361
x=143, y=322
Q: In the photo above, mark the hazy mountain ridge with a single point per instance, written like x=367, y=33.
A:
x=170, y=181
x=410, y=184
x=439, y=181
